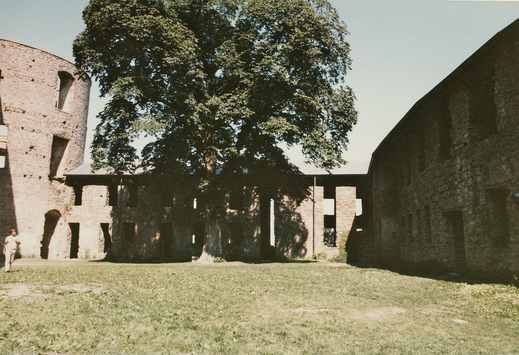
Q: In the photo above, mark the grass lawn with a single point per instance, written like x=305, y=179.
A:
x=81, y=307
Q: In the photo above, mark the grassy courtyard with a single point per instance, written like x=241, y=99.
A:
x=81, y=307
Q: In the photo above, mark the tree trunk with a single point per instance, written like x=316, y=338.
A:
x=213, y=237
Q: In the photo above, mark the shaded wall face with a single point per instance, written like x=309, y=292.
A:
x=318, y=225
x=153, y=222
x=458, y=157
x=131, y=222
x=346, y=209
x=294, y=228
x=7, y=217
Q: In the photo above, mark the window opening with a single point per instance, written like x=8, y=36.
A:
x=198, y=234
x=74, y=242
x=499, y=223
x=129, y=231
x=455, y=230
x=113, y=191
x=65, y=81
x=329, y=230
x=329, y=236
x=166, y=239
x=107, y=238
x=133, y=195
x=482, y=108
x=51, y=221
x=272, y=223
x=358, y=207
x=3, y=145
x=59, y=146
x=329, y=191
x=78, y=195
x=197, y=239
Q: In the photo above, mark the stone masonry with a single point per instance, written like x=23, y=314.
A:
x=445, y=181
x=43, y=114
x=132, y=218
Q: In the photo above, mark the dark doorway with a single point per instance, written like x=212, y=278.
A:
x=166, y=239
x=455, y=229
x=105, y=227
x=499, y=223
x=51, y=221
x=74, y=242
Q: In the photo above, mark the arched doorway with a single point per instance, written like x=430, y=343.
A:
x=51, y=221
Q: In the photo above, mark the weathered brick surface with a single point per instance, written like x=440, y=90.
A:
x=454, y=158
x=162, y=231
x=29, y=94
x=175, y=231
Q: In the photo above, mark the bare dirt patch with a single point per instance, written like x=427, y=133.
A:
x=311, y=310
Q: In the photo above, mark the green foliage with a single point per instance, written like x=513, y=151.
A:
x=319, y=256
x=217, y=83
x=329, y=237
x=342, y=257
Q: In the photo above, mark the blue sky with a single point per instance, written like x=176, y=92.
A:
x=400, y=50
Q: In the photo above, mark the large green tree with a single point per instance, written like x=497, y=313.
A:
x=218, y=84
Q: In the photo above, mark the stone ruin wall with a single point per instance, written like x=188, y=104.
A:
x=38, y=119
x=174, y=232
x=300, y=235
x=151, y=230
x=456, y=154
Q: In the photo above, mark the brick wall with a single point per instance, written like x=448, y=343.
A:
x=37, y=131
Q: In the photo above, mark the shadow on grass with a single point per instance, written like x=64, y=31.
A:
x=174, y=261
x=437, y=271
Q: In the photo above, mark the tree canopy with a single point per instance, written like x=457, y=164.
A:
x=218, y=84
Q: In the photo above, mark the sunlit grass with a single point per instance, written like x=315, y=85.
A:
x=80, y=307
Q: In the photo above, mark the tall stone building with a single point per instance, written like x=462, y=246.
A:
x=43, y=122
x=445, y=181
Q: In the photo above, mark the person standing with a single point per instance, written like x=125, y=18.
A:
x=10, y=246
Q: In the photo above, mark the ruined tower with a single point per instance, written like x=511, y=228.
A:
x=43, y=123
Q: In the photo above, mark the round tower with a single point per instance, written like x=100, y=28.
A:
x=43, y=126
